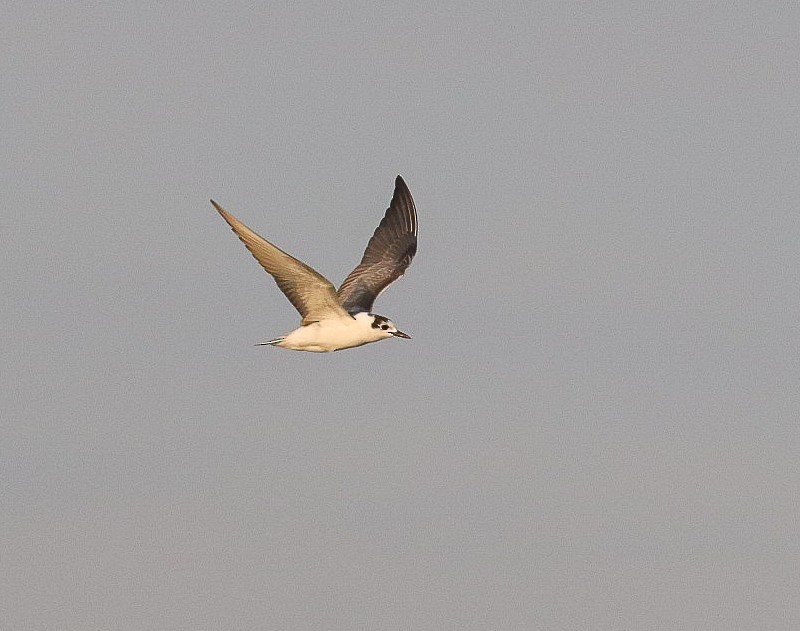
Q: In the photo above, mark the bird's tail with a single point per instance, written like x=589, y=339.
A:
x=274, y=342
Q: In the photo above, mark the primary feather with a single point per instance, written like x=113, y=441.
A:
x=388, y=254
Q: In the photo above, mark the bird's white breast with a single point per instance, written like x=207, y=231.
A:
x=332, y=335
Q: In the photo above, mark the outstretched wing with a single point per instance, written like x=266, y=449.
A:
x=310, y=292
x=388, y=254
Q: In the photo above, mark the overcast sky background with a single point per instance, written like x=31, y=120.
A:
x=595, y=425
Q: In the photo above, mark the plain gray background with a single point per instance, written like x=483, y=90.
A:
x=595, y=424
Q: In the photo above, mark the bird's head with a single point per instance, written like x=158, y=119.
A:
x=381, y=326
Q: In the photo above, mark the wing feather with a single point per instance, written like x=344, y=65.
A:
x=311, y=293
x=388, y=254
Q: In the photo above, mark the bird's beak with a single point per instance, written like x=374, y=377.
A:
x=401, y=334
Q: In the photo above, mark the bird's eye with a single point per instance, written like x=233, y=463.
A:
x=384, y=326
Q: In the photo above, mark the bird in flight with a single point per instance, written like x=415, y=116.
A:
x=337, y=319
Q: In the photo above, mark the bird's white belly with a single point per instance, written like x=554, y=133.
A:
x=329, y=335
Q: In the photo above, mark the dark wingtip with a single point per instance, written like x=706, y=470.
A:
x=219, y=209
x=400, y=185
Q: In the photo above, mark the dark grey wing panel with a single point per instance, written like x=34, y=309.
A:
x=388, y=254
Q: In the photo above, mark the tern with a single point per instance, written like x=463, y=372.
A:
x=337, y=319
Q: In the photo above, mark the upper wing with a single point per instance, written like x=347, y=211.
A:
x=388, y=254
x=310, y=292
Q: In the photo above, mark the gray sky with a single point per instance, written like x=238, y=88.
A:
x=595, y=424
